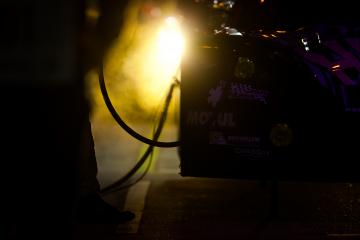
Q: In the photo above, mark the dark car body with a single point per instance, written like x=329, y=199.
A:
x=277, y=99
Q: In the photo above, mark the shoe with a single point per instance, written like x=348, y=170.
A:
x=93, y=209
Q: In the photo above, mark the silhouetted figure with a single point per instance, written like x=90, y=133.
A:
x=46, y=49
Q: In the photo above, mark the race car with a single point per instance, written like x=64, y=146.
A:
x=273, y=92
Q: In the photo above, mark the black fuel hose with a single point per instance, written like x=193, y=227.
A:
x=121, y=122
x=119, y=184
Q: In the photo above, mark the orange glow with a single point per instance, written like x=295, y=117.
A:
x=336, y=67
x=207, y=47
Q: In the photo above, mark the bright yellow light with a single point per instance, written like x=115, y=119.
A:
x=170, y=47
x=142, y=67
x=160, y=61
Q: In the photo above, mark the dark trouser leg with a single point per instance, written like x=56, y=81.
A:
x=87, y=163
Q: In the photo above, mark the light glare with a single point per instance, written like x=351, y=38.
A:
x=170, y=47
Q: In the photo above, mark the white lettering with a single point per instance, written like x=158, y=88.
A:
x=247, y=92
x=204, y=118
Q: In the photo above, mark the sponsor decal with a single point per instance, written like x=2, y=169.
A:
x=221, y=138
x=236, y=90
x=247, y=92
x=244, y=140
x=215, y=94
x=252, y=152
x=281, y=135
x=222, y=119
x=217, y=138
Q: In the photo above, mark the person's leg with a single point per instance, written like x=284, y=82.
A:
x=92, y=208
x=88, y=170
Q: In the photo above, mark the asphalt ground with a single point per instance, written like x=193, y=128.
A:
x=171, y=207
x=168, y=206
